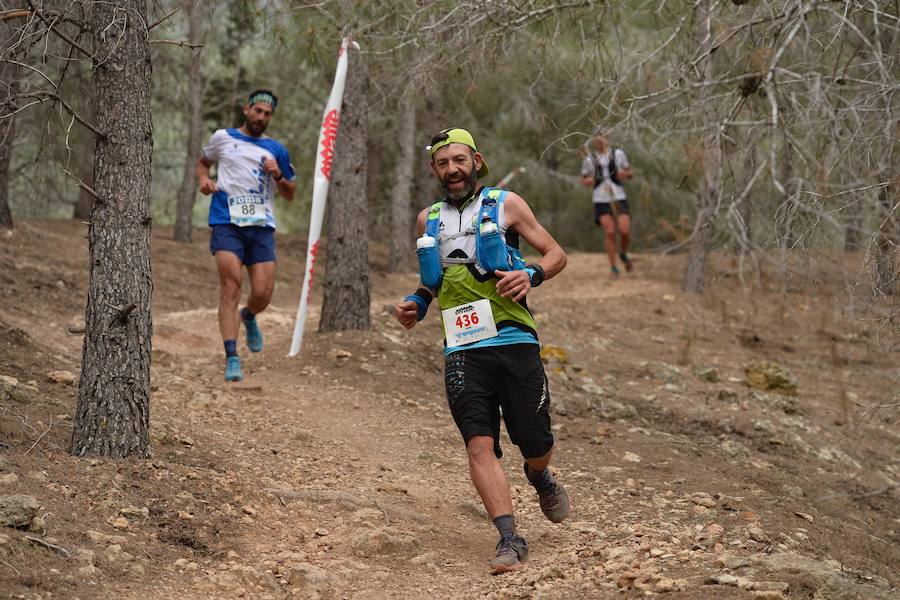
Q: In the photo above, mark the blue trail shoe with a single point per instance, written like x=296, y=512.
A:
x=254, y=335
x=233, y=369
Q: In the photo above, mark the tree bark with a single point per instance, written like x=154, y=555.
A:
x=113, y=412
x=402, y=243
x=701, y=239
x=346, y=302
x=184, y=210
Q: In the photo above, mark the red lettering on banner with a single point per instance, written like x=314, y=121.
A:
x=329, y=134
x=313, y=252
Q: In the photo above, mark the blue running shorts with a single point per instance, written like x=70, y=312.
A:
x=250, y=244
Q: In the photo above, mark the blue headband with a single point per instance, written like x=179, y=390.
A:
x=263, y=97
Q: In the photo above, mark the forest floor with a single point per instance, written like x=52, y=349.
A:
x=340, y=473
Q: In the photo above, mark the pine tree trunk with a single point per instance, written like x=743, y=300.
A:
x=8, y=88
x=113, y=412
x=346, y=302
x=184, y=210
x=402, y=243
x=701, y=240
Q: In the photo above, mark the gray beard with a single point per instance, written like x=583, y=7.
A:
x=466, y=192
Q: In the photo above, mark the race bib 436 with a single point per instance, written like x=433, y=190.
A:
x=469, y=323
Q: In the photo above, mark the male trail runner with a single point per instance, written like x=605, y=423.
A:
x=502, y=367
x=251, y=167
x=605, y=170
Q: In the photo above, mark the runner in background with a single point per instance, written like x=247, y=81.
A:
x=605, y=170
x=251, y=168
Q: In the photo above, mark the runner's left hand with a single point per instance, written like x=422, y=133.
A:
x=513, y=284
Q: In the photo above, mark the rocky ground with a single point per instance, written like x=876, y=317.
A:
x=739, y=444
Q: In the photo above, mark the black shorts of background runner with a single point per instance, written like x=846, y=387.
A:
x=604, y=208
x=482, y=380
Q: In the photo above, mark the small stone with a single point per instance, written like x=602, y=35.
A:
x=322, y=532
x=621, y=554
x=102, y=538
x=703, y=499
x=723, y=579
x=806, y=516
x=338, y=354
x=88, y=571
x=8, y=478
x=133, y=511
x=631, y=457
x=757, y=535
x=767, y=375
x=18, y=511
x=120, y=523
x=664, y=585
x=709, y=374
x=9, y=380
x=62, y=377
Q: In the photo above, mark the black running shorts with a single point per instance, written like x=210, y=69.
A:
x=605, y=208
x=482, y=381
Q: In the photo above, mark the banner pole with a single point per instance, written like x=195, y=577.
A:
x=321, y=180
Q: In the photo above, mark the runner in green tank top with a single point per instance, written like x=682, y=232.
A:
x=492, y=352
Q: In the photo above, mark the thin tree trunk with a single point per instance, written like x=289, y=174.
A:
x=184, y=210
x=113, y=413
x=887, y=239
x=346, y=302
x=86, y=171
x=9, y=82
x=701, y=240
x=402, y=243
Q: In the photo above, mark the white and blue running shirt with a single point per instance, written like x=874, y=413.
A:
x=245, y=192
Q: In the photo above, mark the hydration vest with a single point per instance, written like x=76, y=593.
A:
x=611, y=166
x=491, y=250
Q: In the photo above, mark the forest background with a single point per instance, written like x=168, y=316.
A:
x=766, y=127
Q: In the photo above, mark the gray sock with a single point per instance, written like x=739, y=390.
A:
x=506, y=524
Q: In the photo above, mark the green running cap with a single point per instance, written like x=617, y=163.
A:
x=454, y=135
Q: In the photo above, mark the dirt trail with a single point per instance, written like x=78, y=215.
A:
x=340, y=474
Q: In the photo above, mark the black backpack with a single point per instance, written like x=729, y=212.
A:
x=613, y=170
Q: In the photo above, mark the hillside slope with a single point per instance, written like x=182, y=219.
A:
x=340, y=474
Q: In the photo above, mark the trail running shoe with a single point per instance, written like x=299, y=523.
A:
x=553, y=498
x=233, y=369
x=614, y=270
x=254, y=335
x=511, y=551
x=626, y=261
x=554, y=502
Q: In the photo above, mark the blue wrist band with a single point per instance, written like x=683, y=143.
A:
x=422, y=298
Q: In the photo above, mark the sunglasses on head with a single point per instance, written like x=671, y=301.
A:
x=440, y=137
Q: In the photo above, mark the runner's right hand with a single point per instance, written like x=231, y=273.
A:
x=208, y=186
x=407, y=313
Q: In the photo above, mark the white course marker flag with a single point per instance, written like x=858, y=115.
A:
x=324, y=157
